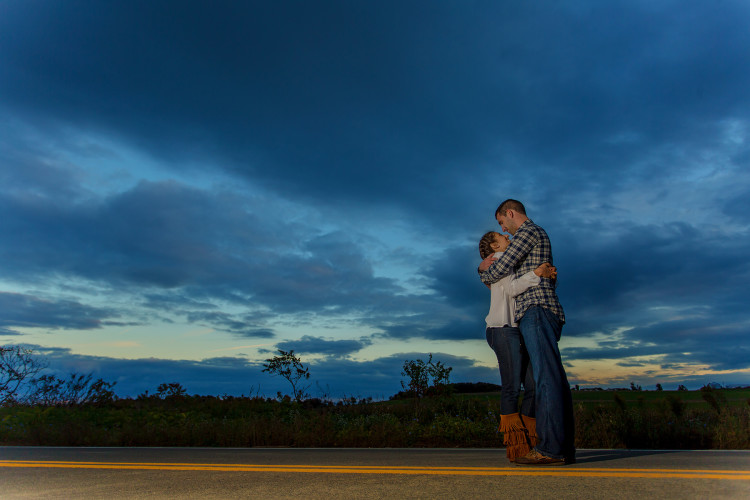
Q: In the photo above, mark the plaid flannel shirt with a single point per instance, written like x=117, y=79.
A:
x=529, y=248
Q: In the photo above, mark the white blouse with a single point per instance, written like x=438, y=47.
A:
x=502, y=293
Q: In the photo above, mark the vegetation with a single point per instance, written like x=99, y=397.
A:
x=669, y=420
x=20, y=386
x=290, y=367
x=79, y=411
x=17, y=366
x=455, y=420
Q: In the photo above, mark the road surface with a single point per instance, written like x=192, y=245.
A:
x=113, y=473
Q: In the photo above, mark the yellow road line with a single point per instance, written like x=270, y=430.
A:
x=510, y=468
x=408, y=470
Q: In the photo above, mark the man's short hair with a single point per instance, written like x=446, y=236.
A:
x=514, y=205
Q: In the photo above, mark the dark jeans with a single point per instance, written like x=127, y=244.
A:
x=555, y=423
x=513, y=362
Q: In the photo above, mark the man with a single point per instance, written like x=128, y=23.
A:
x=540, y=318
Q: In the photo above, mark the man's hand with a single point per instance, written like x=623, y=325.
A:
x=486, y=263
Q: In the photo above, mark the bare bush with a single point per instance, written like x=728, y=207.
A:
x=18, y=366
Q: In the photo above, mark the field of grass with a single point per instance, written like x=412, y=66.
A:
x=718, y=419
x=692, y=399
x=731, y=397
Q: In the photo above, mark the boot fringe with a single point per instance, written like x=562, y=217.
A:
x=514, y=435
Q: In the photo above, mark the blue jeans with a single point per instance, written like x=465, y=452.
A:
x=555, y=424
x=513, y=362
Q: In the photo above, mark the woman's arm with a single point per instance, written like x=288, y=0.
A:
x=520, y=246
x=532, y=278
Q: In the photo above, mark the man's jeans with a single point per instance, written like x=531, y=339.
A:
x=555, y=423
x=513, y=362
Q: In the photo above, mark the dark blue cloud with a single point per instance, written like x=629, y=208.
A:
x=214, y=376
x=308, y=344
x=623, y=127
x=241, y=326
x=198, y=247
x=26, y=311
x=336, y=377
x=738, y=208
x=373, y=97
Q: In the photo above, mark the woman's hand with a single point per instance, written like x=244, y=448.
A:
x=546, y=270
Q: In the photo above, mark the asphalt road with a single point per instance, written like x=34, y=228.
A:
x=113, y=473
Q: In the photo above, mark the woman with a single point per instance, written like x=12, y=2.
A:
x=504, y=337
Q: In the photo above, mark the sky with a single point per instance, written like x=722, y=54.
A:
x=187, y=187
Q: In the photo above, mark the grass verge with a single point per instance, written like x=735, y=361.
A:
x=714, y=419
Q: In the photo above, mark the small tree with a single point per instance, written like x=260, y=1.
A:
x=18, y=365
x=290, y=367
x=682, y=388
x=420, y=374
x=170, y=390
x=419, y=378
x=440, y=375
x=659, y=387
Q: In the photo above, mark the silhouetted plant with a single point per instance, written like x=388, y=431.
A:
x=290, y=367
x=440, y=375
x=47, y=390
x=418, y=377
x=77, y=389
x=431, y=377
x=18, y=365
x=170, y=390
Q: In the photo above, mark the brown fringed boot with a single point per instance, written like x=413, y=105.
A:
x=514, y=436
x=530, y=424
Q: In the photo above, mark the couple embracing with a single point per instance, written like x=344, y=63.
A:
x=523, y=328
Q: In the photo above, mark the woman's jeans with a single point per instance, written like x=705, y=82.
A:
x=513, y=362
x=555, y=423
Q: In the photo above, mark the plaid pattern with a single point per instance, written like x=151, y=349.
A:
x=529, y=248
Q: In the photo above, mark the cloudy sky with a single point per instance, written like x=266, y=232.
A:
x=187, y=186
